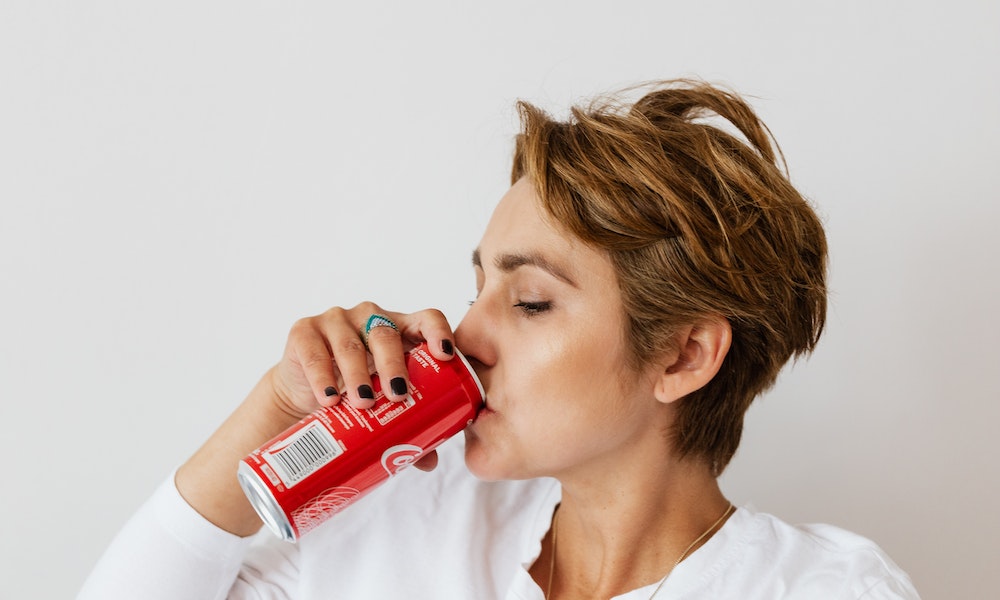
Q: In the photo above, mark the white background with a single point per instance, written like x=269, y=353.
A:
x=181, y=181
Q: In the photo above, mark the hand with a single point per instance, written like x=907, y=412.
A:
x=325, y=354
x=322, y=352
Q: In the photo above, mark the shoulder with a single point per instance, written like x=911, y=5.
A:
x=818, y=560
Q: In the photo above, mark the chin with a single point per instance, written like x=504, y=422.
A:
x=482, y=462
x=488, y=462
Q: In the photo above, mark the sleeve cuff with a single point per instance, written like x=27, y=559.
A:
x=186, y=525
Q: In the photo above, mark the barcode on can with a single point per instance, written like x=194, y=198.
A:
x=303, y=453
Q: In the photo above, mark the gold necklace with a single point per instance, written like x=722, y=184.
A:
x=555, y=531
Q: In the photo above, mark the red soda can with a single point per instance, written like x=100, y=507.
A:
x=337, y=454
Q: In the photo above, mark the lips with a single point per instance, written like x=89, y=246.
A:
x=485, y=410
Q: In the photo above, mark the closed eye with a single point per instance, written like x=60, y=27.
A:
x=531, y=309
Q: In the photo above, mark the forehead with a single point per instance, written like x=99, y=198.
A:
x=519, y=223
x=520, y=227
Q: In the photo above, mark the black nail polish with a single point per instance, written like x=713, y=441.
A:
x=330, y=391
x=398, y=385
x=447, y=348
x=365, y=392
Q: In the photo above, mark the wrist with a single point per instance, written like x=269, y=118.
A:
x=207, y=481
x=272, y=392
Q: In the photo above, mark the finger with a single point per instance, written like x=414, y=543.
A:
x=350, y=356
x=314, y=358
x=386, y=347
x=427, y=462
x=352, y=360
x=432, y=326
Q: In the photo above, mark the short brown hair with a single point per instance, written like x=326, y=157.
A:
x=698, y=223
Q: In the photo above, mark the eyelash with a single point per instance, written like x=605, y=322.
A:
x=530, y=309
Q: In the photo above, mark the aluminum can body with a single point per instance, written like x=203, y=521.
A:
x=337, y=454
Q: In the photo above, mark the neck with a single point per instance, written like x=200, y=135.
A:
x=623, y=528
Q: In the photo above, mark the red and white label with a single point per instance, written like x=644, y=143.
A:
x=399, y=457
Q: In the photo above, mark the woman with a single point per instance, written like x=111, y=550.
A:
x=645, y=277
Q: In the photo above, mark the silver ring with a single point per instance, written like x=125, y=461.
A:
x=376, y=320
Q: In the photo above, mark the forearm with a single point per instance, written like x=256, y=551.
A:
x=207, y=481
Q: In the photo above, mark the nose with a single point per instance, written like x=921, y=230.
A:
x=475, y=337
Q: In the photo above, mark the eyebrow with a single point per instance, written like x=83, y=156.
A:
x=512, y=260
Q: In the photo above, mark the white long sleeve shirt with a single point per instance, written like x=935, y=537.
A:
x=446, y=535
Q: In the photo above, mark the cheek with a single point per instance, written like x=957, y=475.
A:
x=570, y=357
x=579, y=391
x=591, y=365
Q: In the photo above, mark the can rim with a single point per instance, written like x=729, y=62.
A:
x=472, y=372
x=264, y=503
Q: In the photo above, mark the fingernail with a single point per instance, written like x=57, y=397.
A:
x=365, y=392
x=447, y=348
x=398, y=385
x=330, y=391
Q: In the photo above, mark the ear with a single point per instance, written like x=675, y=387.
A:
x=700, y=350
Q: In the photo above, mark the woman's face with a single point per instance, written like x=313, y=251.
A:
x=545, y=335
